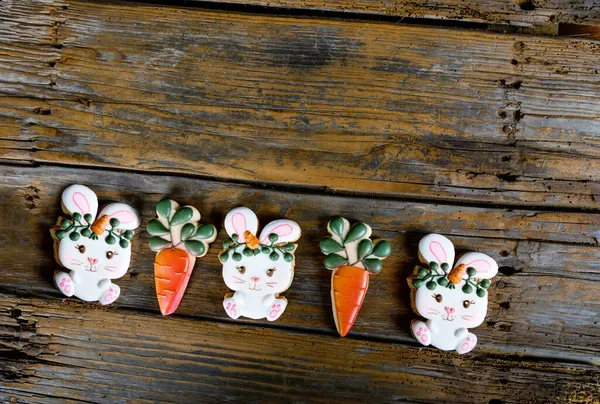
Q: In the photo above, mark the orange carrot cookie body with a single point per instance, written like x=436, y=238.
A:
x=179, y=240
x=353, y=257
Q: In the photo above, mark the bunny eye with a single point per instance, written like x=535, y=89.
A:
x=468, y=303
x=110, y=254
x=271, y=271
x=81, y=248
x=438, y=298
x=242, y=269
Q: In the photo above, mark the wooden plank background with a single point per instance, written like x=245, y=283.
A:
x=375, y=109
x=489, y=138
x=520, y=13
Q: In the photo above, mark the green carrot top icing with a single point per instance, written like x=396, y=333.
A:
x=351, y=245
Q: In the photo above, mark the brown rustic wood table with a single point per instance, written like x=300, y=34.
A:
x=478, y=120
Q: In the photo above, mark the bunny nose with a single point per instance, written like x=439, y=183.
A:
x=449, y=310
x=255, y=279
x=93, y=261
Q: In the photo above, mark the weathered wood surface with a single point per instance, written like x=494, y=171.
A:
x=544, y=302
x=274, y=113
x=118, y=356
x=371, y=108
x=522, y=13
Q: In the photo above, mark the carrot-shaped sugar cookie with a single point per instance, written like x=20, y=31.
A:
x=452, y=300
x=178, y=239
x=353, y=257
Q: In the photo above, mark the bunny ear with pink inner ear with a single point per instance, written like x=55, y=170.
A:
x=436, y=248
x=239, y=220
x=287, y=230
x=80, y=199
x=128, y=217
x=485, y=266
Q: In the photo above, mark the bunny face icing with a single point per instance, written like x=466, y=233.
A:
x=257, y=268
x=452, y=300
x=451, y=306
x=99, y=259
x=95, y=248
x=258, y=275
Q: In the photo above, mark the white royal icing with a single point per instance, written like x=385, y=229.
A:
x=257, y=280
x=450, y=311
x=92, y=262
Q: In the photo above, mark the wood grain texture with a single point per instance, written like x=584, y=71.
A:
x=522, y=13
x=53, y=351
x=367, y=108
x=543, y=303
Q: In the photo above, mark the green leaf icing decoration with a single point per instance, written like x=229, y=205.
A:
x=333, y=261
x=382, y=249
x=158, y=243
x=205, y=231
x=163, y=208
x=337, y=226
x=373, y=265
x=365, y=247
x=156, y=228
x=182, y=215
x=355, y=249
x=436, y=275
x=195, y=247
x=223, y=257
x=329, y=245
x=187, y=231
x=356, y=232
x=177, y=227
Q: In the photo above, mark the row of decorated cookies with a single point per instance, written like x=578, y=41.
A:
x=94, y=247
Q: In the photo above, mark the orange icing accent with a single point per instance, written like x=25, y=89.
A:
x=456, y=275
x=349, y=287
x=252, y=242
x=172, y=270
x=100, y=224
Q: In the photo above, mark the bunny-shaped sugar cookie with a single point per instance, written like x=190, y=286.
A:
x=257, y=269
x=94, y=249
x=450, y=300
